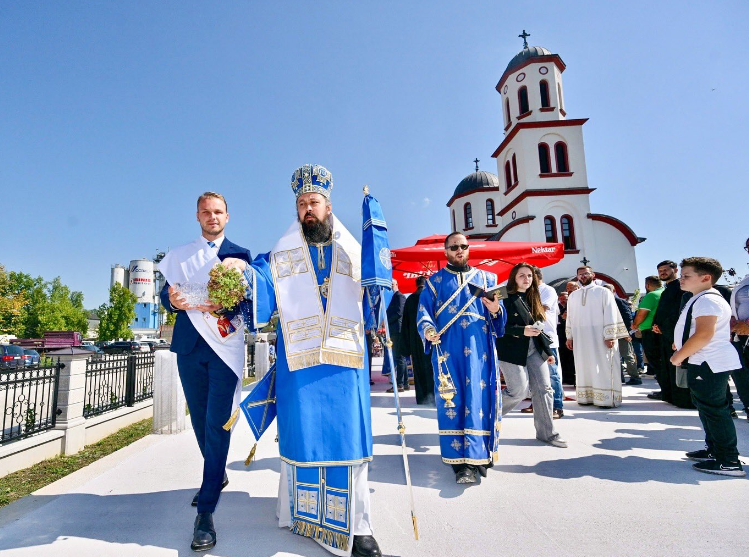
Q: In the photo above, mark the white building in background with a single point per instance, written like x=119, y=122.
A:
x=541, y=191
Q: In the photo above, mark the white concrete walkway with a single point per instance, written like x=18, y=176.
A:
x=622, y=488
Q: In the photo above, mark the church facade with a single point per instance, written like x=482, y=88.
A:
x=540, y=192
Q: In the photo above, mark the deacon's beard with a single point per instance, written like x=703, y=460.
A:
x=317, y=232
x=586, y=281
x=453, y=260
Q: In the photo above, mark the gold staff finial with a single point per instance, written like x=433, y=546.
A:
x=365, y=189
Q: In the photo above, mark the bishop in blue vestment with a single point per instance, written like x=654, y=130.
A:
x=459, y=326
x=312, y=277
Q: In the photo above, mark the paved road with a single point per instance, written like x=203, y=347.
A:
x=621, y=488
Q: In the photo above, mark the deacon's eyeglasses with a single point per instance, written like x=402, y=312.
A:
x=456, y=247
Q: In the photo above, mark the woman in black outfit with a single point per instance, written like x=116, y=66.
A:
x=524, y=354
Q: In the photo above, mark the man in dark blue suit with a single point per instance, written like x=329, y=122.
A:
x=209, y=383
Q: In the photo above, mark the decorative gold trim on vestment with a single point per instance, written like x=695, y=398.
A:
x=481, y=461
x=464, y=432
x=429, y=284
x=317, y=532
x=469, y=276
x=322, y=463
x=457, y=316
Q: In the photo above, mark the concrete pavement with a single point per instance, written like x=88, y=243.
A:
x=622, y=488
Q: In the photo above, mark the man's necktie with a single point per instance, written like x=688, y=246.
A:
x=211, y=244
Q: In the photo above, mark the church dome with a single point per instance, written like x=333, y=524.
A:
x=526, y=54
x=476, y=181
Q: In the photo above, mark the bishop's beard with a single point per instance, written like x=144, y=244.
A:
x=318, y=231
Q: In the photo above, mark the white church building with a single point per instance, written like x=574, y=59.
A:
x=541, y=191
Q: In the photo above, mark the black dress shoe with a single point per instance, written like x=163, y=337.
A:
x=204, y=534
x=365, y=546
x=656, y=395
x=466, y=475
x=223, y=485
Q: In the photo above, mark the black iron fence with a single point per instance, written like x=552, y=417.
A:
x=117, y=380
x=30, y=400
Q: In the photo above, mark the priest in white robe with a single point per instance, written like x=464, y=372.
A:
x=594, y=325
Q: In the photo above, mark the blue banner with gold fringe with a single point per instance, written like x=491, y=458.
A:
x=259, y=407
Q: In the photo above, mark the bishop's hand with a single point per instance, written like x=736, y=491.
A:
x=234, y=263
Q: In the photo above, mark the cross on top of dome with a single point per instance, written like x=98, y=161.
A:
x=525, y=36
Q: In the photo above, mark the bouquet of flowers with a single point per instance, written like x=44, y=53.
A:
x=225, y=287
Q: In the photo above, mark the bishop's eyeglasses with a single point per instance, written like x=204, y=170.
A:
x=456, y=247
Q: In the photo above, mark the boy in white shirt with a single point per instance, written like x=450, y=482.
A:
x=706, y=342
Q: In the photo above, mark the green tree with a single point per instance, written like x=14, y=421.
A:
x=47, y=306
x=12, y=304
x=116, y=316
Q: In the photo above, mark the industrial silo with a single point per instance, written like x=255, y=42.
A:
x=141, y=280
x=118, y=276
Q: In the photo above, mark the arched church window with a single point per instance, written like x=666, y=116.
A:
x=508, y=118
x=568, y=233
x=523, y=100
x=514, y=169
x=490, y=212
x=455, y=228
x=544, y=87
x=544, y=160
x=560, y=153
x=508, y=176
x=467, y=216
x=550, y=228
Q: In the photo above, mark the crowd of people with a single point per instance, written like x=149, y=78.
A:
x=463, y=333
x=586, y=336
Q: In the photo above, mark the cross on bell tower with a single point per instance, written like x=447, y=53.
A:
x=525, y=36
x=476, y=161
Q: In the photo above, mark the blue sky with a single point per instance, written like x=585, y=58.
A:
x=115, y=116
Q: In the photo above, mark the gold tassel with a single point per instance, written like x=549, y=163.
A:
x=228, y=425
x=416, y=526
x=249, y=459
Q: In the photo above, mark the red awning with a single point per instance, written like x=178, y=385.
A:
x=428, y=256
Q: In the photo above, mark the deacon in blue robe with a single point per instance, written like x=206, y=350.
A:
x=460, y=329
x=322, y=379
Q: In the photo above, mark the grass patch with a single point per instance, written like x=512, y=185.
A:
x=23, y=482
x=248, y=381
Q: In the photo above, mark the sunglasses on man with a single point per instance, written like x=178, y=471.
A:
x=456, y=247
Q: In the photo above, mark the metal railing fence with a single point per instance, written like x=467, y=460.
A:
x=30, y=400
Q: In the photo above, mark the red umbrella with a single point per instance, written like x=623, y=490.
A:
x=427, y=256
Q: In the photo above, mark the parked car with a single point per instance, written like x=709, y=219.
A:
x=11, y=356
x=31, y=357
x=154, y=345
x=125, y=347
x=91, y=348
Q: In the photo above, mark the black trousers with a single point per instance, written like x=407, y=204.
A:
x=209, y=390
x=651, y=345
x=709, y=395
x=741, y=376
